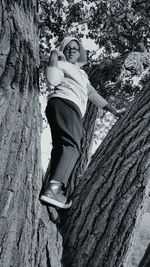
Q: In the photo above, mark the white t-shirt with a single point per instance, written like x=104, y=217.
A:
x=72, y=83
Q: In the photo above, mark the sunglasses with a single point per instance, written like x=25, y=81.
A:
x=71, y=49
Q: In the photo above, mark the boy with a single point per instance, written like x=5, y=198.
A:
x=65, y=110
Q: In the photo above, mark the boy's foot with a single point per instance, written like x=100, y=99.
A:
x=54, y=195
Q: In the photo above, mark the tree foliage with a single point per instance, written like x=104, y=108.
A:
x=121, y=31
x=117, y=26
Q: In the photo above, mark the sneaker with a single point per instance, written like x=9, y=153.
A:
x=54, y=195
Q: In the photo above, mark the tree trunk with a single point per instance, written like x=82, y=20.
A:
x=27, y=235
x=145, y=262
x=85, y=155
x=97, y=229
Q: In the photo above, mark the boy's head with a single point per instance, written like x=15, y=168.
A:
x=73, y=51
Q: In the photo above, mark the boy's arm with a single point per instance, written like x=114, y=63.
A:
x=99, y=101
x=54, y=75
x=54, y=57
x=53, y=60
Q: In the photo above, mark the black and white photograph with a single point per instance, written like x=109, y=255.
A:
x=74, y=133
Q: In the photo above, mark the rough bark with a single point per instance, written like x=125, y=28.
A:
x=145, y=262
x=97, y=229
x=26, y=233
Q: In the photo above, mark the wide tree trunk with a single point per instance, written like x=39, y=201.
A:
x=145, y=262
x=27, y=237
x=97, y=229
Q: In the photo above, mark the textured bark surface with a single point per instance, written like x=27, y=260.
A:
x=145, y=262
x=27, y=237
x=97, y=229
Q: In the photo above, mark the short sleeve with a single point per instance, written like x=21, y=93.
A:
x=54, y=75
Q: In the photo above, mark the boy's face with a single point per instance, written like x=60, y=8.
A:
x=72, y=52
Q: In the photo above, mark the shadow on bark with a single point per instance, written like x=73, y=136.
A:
x=145, y=262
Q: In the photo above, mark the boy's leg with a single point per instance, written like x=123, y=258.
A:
x=63, y=159
x=66, y=127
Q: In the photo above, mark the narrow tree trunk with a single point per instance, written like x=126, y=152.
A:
x=98, y=228
x=83, y=161
x=27, y=237
x=145, y=262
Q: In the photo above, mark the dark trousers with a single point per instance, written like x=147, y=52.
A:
x=65, y=122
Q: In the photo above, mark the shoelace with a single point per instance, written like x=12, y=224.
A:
x=60, y=188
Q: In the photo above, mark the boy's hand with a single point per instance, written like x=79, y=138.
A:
x=120, y=112
x=59, y=54
x=117, y=113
